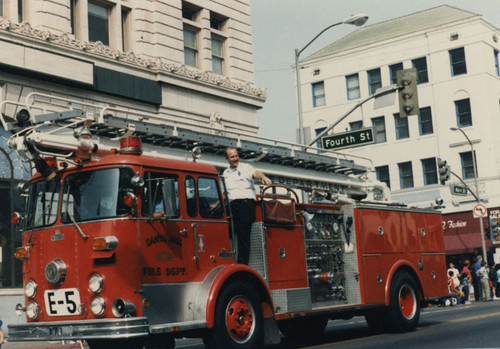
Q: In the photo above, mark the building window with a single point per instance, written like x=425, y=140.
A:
x=189, y=11
x=401, y=124
x=98, y=17
x=425, y=121
x=374, y=80
x=126, y=29
x=218, y=37
x=405, y=175
x=467, y=165
x=317, y=132
x=393, y=69
x=20, y=16
x=217, y=55
x=457, y=61
x=318, y=91
x=217, y=21
x=190, y=47
x=421, y=65
x=190, y=15
x=379, y=129
x=382, y=173
x=356, y=125
x=72, y=14
x=352, y=83
x=430, y=171
x=464, y=115
x=497, y=66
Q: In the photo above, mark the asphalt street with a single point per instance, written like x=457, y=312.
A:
x=462, y=326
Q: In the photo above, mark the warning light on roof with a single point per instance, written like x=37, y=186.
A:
x=131, y=145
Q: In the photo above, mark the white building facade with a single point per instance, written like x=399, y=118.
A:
x=456, y=54
x=180, y=60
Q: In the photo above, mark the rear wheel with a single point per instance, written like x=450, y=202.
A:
x=404, y=304
x=238, y=318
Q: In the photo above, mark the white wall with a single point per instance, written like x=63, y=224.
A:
x=480, y=84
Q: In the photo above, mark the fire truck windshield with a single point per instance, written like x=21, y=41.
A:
x=90, y=195
x=43, y=203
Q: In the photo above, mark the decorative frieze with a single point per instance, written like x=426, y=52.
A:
x=155, y=64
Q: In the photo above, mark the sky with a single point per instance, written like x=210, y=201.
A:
x=281, y=26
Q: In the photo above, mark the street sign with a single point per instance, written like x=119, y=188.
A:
x=479, y=211
x=348, y=139
x=458, y=190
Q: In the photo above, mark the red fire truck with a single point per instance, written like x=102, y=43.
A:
x=121, y=248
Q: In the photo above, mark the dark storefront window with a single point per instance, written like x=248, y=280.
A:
x=12, y=172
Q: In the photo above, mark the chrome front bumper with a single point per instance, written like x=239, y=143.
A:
x=84, y=329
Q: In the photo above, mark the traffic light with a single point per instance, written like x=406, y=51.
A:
x=408, y=96
x=443, y=171
x=493, y=229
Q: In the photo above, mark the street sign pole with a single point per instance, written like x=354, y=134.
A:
x=380, y=92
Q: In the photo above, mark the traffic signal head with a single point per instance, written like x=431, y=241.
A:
x=443, y=171
x=408, y=96
x=494, y=229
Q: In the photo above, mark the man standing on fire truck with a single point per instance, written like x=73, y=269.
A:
x=240, y=189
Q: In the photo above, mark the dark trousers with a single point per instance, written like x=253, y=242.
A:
x=243, y=215
x=477, y=288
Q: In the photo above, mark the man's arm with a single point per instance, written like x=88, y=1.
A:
x=259, y=175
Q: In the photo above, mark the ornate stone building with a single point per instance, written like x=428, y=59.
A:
x=180, y=60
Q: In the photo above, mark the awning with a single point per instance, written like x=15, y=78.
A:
x=462, y=233
x=462, y=243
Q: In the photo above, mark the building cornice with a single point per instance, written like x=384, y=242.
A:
x=156, y=65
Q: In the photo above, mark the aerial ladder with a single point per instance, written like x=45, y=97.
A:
x=52, y=126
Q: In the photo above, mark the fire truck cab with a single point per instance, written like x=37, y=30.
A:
x=128, y=247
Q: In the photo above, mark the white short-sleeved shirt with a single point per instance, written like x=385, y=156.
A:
x=239, y=182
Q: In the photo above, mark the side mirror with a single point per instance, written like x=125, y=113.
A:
x=137, y=181
x=23, y=188
x=169, y=197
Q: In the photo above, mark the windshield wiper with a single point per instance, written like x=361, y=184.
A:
x=85, y=237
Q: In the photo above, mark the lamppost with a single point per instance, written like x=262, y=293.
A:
x=357, y=20
x=474, y=166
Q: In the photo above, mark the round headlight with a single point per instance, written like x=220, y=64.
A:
x=97, y=306
x=95, y=283
x=30, y=289
x=32, y=310
x=55, y=272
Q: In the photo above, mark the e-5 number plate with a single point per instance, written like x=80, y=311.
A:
x=63, y=302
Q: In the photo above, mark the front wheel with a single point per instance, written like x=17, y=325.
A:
x=404, y=307
x=238, y=318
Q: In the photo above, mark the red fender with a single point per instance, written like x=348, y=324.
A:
x=219, y=282
x=392, y=272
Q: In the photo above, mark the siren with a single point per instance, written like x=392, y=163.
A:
x=130, y=145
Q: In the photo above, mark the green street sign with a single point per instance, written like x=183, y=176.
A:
x=348, y=139
x=458, y=190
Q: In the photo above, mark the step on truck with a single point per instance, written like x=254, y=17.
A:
x=121, y=246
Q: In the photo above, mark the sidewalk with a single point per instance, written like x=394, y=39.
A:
x=43, y=345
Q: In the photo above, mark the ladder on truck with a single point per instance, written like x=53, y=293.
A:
x=52, y=123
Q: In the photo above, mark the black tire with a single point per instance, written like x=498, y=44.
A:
x=303, y=328
x=131, y=343
x=238, y=319
x=403, y=312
